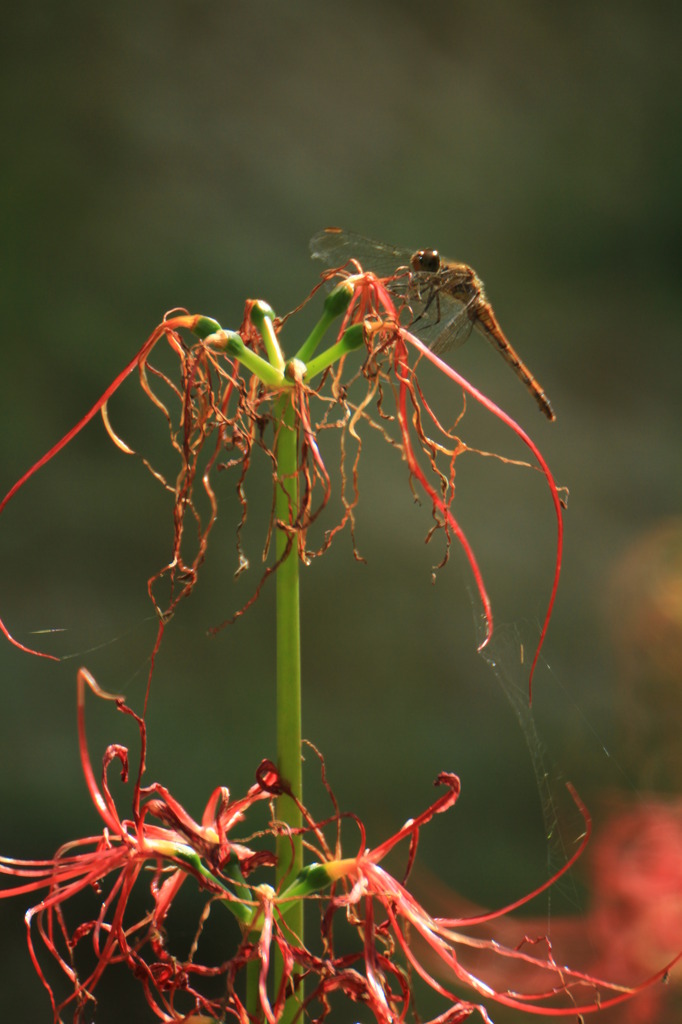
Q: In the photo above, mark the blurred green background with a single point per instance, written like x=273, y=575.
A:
x=182, y=154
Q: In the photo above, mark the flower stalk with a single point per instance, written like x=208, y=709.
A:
x=288, y=649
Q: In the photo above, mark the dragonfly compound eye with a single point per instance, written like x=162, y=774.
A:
x=426, y=261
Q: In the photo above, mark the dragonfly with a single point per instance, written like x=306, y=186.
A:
x=447, y=299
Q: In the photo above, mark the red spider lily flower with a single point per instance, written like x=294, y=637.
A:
x=225, y=400
x=178, y=849
x=392, y=926
x=633, y=921
x=551, y=988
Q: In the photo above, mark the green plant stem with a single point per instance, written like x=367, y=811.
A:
x=289, y=848
x=252, y=976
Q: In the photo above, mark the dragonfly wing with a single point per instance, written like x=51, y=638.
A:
x=454, y=330
x=335, y=247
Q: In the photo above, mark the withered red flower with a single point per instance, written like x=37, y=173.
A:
x=220, y=407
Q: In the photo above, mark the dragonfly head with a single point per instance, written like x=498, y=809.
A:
x=425, y=261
